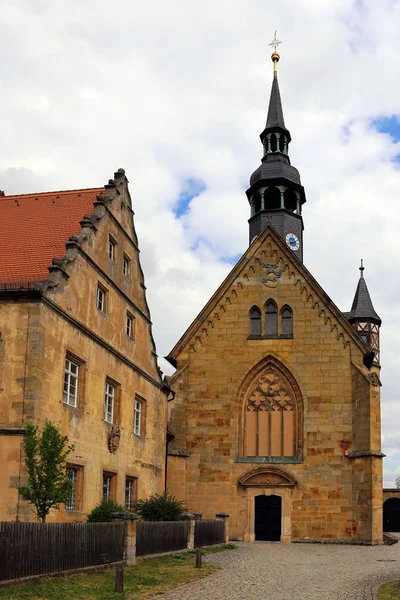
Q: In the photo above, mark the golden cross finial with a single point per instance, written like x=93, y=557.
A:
x=275, y=56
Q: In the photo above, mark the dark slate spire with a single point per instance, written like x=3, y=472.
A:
x=362, y=308
x=275, y=120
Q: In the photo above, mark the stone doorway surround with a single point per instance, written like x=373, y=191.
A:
x=268, y=481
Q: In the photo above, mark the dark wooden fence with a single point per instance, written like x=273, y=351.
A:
x=42, y=548
x=158, y=537
x=208, y=532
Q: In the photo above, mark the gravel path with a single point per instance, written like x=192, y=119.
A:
x=273, y=571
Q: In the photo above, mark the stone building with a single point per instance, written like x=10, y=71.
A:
x=76, y=346
x=276, y=418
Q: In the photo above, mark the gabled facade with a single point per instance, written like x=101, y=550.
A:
x=276, y=418
x=76, y=346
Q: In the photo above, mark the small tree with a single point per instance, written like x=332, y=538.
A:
x=159, y=507
x=45, y=458
x=398, y=482
x=101, y=513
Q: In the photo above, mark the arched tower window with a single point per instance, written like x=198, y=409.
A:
x=290, y=200
x=255, y=321
x=271, y=417
x=257, y=202
x=273, y=143
x=271, y=319
x=286, y=321
x=272, y=198
x=282, y=143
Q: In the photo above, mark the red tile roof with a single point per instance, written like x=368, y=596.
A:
x=34, y=229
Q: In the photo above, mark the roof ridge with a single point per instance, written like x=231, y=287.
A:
x=51, y=193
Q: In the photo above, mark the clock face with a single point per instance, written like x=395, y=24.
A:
x=292, y=241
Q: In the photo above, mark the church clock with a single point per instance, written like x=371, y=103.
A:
x=292, y=241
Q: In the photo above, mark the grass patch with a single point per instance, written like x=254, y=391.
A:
x=144, y=580
x=390, y=591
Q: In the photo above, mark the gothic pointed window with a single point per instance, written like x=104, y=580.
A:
x=271, y=319
x=255, y=321
x=286, y=321
x=271, y=417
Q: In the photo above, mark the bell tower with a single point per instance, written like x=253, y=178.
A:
x=275, y=191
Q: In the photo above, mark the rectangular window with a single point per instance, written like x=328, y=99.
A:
x=130, y=492
x=74, y=475
x=112, y=244
x=126, y=266
x=138, y=418
x=109, y=402
x=108, y=486
x=130, y=325
x=71, y=379
x=101, y=299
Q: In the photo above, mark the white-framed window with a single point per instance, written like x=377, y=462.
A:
x=126, y=266
x=130, y=492
x=129, y=325
x=109, y=400
x=137, y=418
x=72, y=475
x=107, y=490
x=101, y=299
x=71, y=376
x=112, y=244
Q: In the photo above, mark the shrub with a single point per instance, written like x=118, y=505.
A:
x=101, y=513
x=159, y=507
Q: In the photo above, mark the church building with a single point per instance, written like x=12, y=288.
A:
x=276, y=418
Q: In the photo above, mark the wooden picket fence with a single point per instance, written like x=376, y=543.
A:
x=28, y=549
x=156, y=537
x=208, y=532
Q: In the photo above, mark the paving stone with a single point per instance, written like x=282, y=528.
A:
x=273, y=571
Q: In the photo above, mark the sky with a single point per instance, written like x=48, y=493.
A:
x=176, y=93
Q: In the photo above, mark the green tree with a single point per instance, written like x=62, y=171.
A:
x=101, y=513
x=159, y=507
x=45, y=452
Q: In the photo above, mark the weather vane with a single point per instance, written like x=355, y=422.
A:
x=275, y=43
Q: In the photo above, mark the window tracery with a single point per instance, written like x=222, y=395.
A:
x=271, y=417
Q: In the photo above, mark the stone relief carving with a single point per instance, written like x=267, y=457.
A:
x=114, y=439
x=270, y=393
x=273, y=273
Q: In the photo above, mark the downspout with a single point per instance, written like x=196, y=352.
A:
x=23, y=409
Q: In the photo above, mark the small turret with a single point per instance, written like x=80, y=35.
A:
x=363, y=317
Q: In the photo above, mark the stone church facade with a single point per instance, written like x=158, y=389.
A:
x=76, y=347
x=276, y=417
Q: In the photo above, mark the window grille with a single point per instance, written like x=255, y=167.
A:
x=72, y=476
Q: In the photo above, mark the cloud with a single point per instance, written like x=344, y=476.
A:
x=177, y=93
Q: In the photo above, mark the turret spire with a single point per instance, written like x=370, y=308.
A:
x=363, y=316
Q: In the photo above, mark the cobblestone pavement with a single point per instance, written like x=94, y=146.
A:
x=264, y=571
